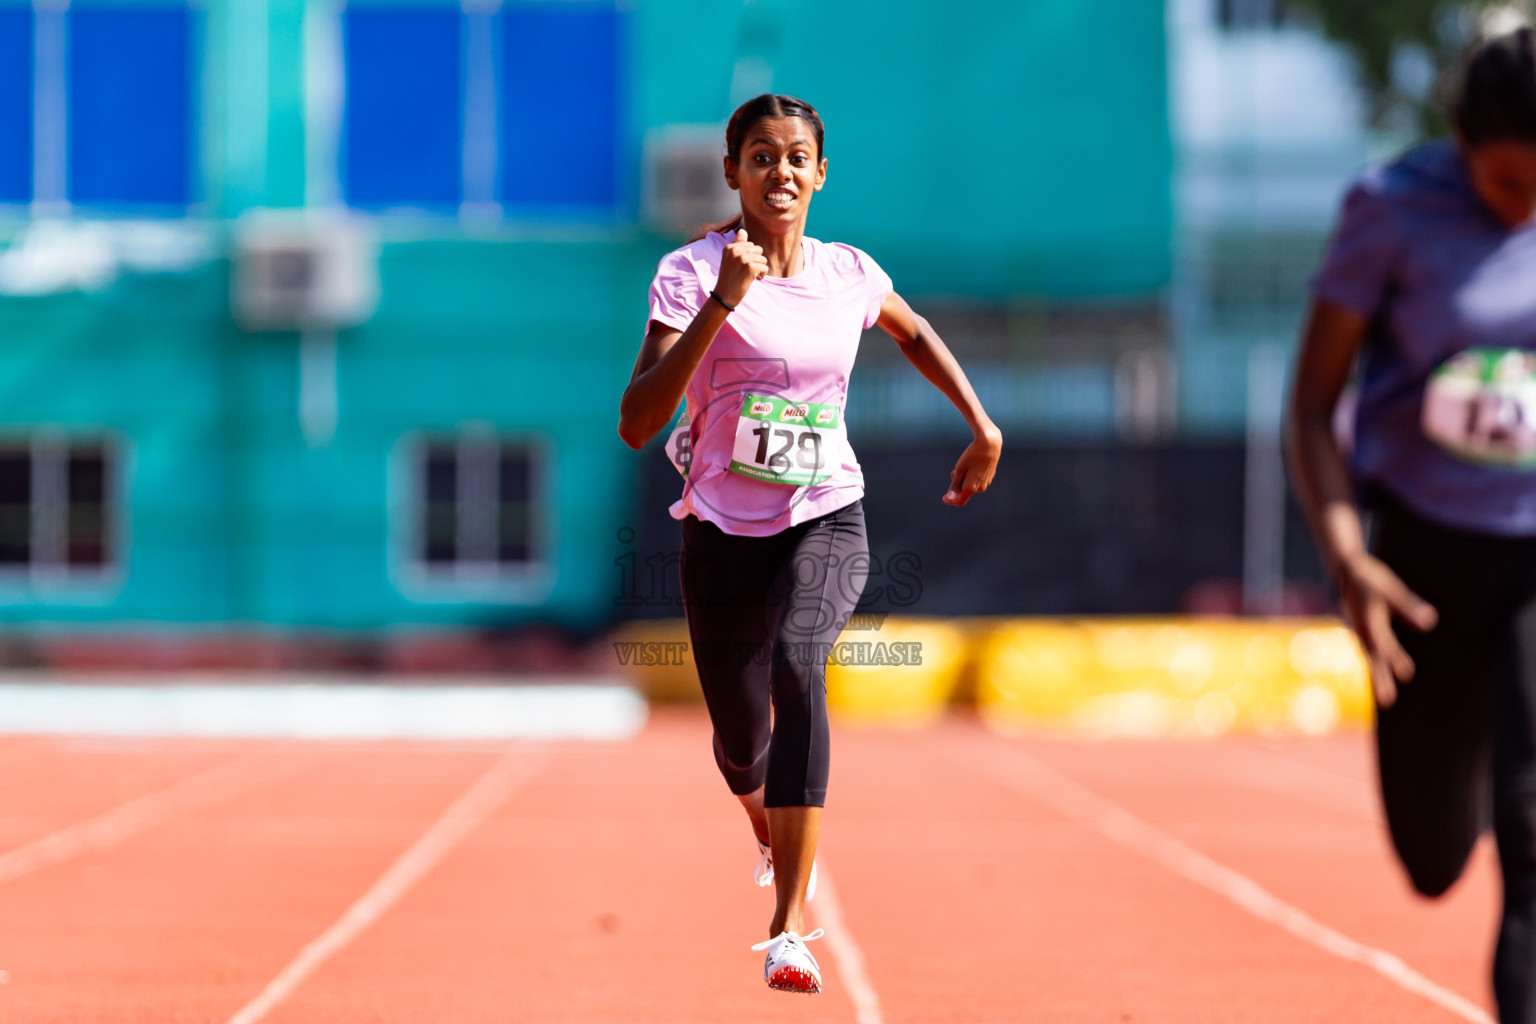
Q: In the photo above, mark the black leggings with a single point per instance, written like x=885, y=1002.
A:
x=1458, y=748
x=763, y=613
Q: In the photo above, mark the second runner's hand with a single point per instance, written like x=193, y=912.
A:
x=1372, y=595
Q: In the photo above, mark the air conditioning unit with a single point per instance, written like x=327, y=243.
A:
x=303, y=272
x=683, y=178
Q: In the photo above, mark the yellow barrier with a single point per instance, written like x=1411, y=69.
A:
x=1173, y=677
x=1103, y=676
x=904, y=674
x=654, y=654
x=901, y=673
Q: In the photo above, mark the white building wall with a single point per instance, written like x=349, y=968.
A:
x=1268, y=128
x=1268, y=122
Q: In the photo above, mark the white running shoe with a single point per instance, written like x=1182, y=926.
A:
x=790, y=966
x=762, y=875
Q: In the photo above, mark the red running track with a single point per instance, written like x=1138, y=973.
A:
x=978, y=878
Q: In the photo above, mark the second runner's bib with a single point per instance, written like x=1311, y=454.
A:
x=1480, y=405
x=784, y=442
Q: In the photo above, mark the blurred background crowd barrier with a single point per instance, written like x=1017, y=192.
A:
x=1104, y=677
x=316, y=315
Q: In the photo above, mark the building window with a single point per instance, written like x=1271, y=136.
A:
x=58, y=507
x=478, y=508
x=97, y=105
x=1241, y=14
x=129, y=98
x=559, y=117
x=16, y=74
x=513, y=107
x=402, y=141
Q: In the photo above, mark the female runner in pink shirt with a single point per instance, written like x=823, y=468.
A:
x=756, y=326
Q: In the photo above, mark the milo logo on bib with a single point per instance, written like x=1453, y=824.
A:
x=786, y=442
x=1480, y=405
x=794, y=413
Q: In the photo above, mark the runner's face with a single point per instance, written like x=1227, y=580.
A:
x=1503, y=174
x=778, y=170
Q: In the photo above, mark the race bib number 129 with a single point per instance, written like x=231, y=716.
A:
x=786, y=442
x=1481, y=406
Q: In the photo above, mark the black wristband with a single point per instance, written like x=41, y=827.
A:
x=727, y=305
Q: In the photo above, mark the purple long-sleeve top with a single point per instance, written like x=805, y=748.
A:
x=1417, y=252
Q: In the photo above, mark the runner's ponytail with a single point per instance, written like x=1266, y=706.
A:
x=717, y=228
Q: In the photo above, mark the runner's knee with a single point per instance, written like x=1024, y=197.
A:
x=1432, y=860
x=744, y=764
x=1433, y=879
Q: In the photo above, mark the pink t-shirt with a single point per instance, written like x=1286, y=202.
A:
x=791, y=338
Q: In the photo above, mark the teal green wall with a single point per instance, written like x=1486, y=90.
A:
x=986, y=149
x=141, y=362
x=977, y=150
x=535, y=340
x=231, y=517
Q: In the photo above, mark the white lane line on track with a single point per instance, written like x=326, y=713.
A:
x=462, y=817
x=1025, y=774
x=214, y=786
x=845, y=952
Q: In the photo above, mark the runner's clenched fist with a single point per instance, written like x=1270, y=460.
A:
x=742, y=262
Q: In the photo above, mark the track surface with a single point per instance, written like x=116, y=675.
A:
x=979, y=877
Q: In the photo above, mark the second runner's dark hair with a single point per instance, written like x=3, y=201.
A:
x=1497, y=99
x=741, y=122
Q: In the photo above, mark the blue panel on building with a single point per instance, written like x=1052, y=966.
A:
x=15, y=104
x=130, y=105
x=404, y=109
x=559, y=119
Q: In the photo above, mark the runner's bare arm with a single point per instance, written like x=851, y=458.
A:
x=926, y=351
x=1370, y=592
x=657, y=382
x=1330, y=341
x=668, y=357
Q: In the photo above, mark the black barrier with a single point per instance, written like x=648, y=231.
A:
x=1090, y=528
